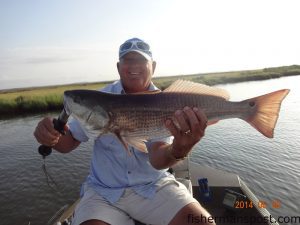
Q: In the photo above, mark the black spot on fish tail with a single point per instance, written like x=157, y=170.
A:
x=251, y=104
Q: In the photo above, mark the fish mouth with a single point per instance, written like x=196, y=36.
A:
x=69, y=101
x=66, y=105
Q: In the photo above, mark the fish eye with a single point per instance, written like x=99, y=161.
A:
x=251, y=104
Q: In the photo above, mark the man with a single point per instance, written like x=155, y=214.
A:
x=123, y=186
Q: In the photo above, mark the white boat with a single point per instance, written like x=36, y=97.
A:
x=227, y=198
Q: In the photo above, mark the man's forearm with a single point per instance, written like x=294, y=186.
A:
x=161, y=156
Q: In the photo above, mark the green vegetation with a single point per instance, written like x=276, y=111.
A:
x=232, y=76
x=24, y=101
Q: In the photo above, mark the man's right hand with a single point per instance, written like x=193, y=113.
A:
x=45, y=133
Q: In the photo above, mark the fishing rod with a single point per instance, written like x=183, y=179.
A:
x=44, y=150
x=59, y=125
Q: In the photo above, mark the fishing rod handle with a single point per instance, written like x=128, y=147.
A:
x=59, y=125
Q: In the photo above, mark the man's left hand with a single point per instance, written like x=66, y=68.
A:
x=188, y=129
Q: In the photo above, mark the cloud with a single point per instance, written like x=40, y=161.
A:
x=47, y=55
x=49, y=59
x=53, y=65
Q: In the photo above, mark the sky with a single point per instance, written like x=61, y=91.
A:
x=48, y=42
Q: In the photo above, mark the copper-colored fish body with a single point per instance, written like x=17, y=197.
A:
x=134, y=118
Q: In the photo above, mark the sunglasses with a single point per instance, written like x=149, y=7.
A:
x=140, y=45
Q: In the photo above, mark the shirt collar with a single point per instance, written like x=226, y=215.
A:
x=121, y=90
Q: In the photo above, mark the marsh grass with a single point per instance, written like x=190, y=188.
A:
x=18, y=102
x=28, y=104
x=35, y=100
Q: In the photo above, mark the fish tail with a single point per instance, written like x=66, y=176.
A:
x=268, y=107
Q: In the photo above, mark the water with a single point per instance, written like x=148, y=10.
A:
x=24, y=193
x=270, y=167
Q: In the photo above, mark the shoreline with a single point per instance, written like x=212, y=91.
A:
x=28, y=101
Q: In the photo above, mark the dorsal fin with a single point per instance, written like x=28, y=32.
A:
x=185, y=86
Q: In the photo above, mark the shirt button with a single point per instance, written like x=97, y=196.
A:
x=129, y=172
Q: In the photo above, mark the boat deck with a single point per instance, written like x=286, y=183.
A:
x=219, y=182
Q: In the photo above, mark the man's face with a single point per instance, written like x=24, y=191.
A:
x=135, y=72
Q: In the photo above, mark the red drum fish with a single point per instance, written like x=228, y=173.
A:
x=135, y=118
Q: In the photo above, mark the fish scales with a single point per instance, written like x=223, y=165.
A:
x=134, y=118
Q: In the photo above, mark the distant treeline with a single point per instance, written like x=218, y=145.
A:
x=19, y=102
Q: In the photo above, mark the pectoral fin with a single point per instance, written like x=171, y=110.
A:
x=122, y=141
x=136, y=143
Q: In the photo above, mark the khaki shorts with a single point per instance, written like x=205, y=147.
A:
x=170, y=197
